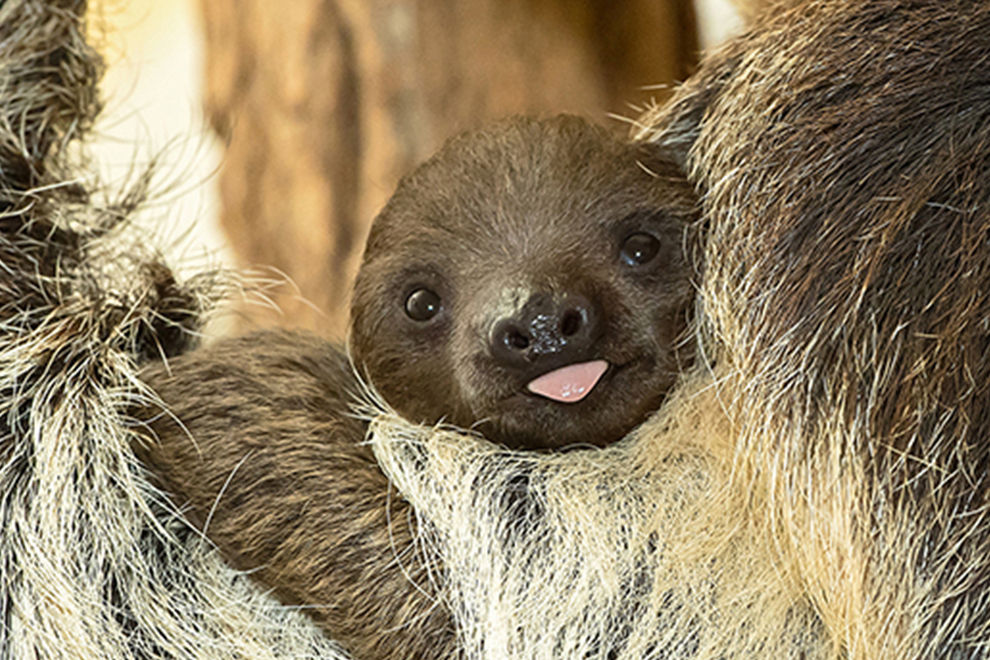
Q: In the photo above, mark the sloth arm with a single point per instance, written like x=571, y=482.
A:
x=269, y=461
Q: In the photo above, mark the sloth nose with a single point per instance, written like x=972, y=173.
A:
x=548, y=330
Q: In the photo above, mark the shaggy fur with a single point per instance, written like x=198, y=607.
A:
x=261, y=445
x=845, y=151
x=94, y=563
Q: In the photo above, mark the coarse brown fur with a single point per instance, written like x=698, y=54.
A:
x=845, y=150
x=818, y=486
x=262, y=446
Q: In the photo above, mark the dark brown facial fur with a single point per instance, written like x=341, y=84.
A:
x=518, y=250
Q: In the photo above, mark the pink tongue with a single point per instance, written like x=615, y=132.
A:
x=569, y=384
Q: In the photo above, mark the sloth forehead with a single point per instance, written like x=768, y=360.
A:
x=516, y=186
x=507, y=229
x=511, y=203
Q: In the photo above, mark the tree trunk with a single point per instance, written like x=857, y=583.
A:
x=324, y=104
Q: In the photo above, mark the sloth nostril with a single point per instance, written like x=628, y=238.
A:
x=571, y=323
x=517, y=340
x=510, y=340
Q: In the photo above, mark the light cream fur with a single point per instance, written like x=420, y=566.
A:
x=649, y=544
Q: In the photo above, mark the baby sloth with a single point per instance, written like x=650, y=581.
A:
x=531, y=281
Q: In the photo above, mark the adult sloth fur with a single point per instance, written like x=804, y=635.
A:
x=93, y=561
x=817, y=487
x=844, y=151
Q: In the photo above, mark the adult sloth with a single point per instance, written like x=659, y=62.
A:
x=816, y=488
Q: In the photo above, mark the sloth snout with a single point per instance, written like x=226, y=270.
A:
x=546, y=331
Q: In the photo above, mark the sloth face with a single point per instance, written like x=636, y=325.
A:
x=530, y=281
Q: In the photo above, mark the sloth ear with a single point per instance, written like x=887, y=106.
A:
x=675, y=137
x=676, y=153
x=661, y=159
x=677, y=124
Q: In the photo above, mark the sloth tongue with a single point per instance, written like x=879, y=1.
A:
x=569, y=384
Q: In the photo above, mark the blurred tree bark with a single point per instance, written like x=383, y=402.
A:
x=325, y=103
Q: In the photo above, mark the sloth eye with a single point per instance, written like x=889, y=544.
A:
x=422, y=304
x=639, y=248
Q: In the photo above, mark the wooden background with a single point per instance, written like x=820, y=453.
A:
x=322, y=108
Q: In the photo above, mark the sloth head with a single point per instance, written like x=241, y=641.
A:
x=531, y=281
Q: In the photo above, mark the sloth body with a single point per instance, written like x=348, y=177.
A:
x=821, y=493
x=529, y=281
